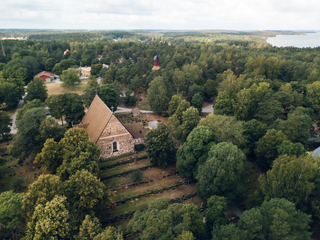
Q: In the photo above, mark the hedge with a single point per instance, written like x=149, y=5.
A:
x=123, y=162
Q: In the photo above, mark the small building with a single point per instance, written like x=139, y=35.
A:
x=84, y=71
x=135, y=112
x=108, y=132
x=65, y=52
x=156, y=63
x=46, y=76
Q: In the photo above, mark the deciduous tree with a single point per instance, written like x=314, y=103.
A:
x=37, y=89
x=158, y=95
x=69, y=78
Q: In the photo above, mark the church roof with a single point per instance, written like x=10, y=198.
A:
x=96, y=119
x=156, y=57
x=136, y=129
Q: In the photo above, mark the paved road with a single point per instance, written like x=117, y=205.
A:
x=208, y=109
x=14, y=116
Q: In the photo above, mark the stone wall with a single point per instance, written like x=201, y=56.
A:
x=115, y=132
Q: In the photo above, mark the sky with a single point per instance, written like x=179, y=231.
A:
x=164, y=14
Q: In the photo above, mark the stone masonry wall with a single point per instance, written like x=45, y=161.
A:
x=115, y=131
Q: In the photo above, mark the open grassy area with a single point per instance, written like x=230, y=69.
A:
x=55, y=88
x=124, y=168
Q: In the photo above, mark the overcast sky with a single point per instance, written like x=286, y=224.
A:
x=162, y=14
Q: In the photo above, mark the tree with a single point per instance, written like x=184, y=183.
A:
x=197, y=102
x=176, y=118
x=221, y=173
x=36, y=103
x=90, y=228
x=90, y=91
x=78, y=152
x=253, y=130
x=280, y=220
x=214, y=214
x=193, y=90
x=269, y=109
x=289, y=148
x=56, y=106
x=5, y=124
x=194, y=151
x=224, y=128
x=10, y=212
x=50, y=221
x=157, y=95
x=84, y=191
x=159, y=146
x=50, y=62
x=174, y=103
x=297, y=127
x=49, y=128
x=17, y=184
x=223, y=104
x=190, y=120
x=50, y=156
x=73, y=109
x=137, y=176
x=40, y=192
x=109, y=233
x=178, y=79
x=266, y=150
x=210, y=89
x=129, y=100
x=69, y=78
x=108, y=95
x=193, y=74
x=313, y=95
x=292, y=178
x=37, y=89
x=160, y=221
x=9, y=95
x=26, y=141
x=227, y=232
x=231, y=84
x=186, y=235
x=252, y=224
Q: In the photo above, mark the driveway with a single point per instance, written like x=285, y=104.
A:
x=14, y=116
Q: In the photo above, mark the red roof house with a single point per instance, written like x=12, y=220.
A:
x=46, y=76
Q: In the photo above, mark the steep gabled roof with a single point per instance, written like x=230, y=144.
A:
x=45, y=73
x=96, y=118
x=136, y=129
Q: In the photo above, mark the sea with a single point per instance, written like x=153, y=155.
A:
x=300, y=41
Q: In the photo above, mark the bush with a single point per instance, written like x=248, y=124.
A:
x=139, y=147
x=136, y=176
x=17, y=183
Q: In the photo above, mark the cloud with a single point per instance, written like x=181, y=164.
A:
x=165, y=14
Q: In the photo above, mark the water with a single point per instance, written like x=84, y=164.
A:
x=309, y=40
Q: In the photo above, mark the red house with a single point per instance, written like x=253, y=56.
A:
x=46, y=76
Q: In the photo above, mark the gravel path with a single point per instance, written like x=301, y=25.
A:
x=14, y=116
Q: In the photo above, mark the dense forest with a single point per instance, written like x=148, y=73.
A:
x=266, y=110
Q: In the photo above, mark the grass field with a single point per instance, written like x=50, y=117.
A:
x=55, y=88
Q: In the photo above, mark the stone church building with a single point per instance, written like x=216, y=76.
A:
x=108, y=132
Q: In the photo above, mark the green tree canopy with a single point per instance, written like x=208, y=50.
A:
x=197, y=102
x=9, y=95
x=253, y=130
x=26, y=141
x=289, y=148
x=159, y=146
x=69, y=78
x=190, y=120
x=293, y=178
x=5, y=124
x=108, y=95
x=174, y=103
x=89, y=228
x=11, y=215
x=157, y=95
x=224, y=128
x=40, y=192
x=267, y=147
x=37, y=89
x=221, y=173
x=36, y=103
x=194, y=151
x=50, y=221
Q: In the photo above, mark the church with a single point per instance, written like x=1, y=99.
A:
x=108, y=132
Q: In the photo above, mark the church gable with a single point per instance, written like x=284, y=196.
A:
x=115, y=139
